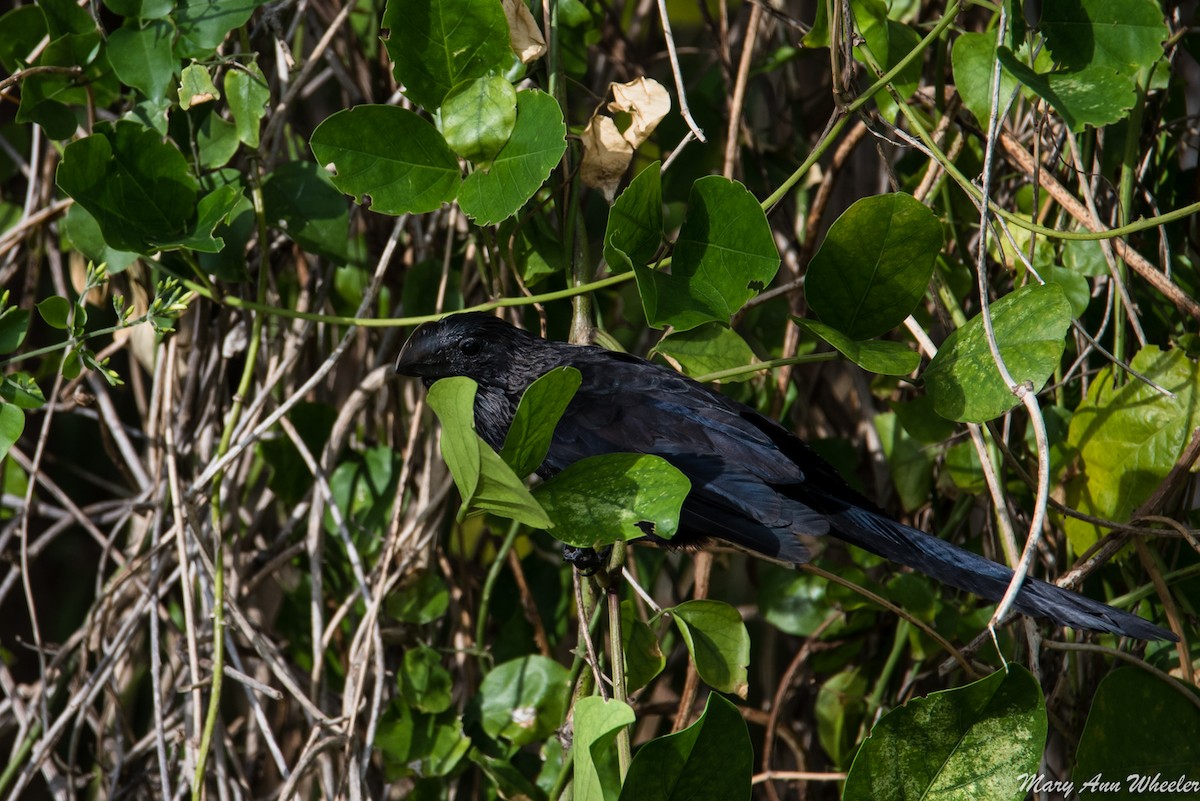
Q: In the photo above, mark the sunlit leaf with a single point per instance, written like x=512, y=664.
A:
x=437, y=44
x=971, y=743
x=724, y=255
x=1030, y=325
x=389, y=156
x=874, y=265
x=1129, y=437
x=614, y=497
x=597, y=722
x=538, y=412
x=478, y=118
x=524, y=700
x=520, y=168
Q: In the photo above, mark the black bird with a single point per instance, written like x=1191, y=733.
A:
x=754, y=484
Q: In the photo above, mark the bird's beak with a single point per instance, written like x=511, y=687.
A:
x=417, y=356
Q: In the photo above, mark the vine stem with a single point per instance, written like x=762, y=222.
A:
x=231, y=422
x=1023, y=390
x=616, y=563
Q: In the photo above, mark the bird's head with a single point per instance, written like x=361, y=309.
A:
x=475, y=345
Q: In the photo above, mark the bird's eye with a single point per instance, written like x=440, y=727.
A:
x=470, y=346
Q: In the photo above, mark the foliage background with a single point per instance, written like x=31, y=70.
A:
x=261, y=450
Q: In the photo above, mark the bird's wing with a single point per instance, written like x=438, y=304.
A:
x=736, y=470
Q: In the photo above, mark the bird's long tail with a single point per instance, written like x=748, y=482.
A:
x=971, y=572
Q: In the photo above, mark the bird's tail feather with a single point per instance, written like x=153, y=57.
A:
x=971, y=572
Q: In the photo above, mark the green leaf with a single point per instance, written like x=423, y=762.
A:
x=142, y=56
x=1129, y=437
x=196, y=87
x=64, y=17
x=424, y=683
x=971, y=743
x=23, y=28
x=718, y=641
x=484, y=481
x=644, y=658
x=519, y=169
x=839, y=709
x=509, y=781
x=874, y=265
x=437, y=44
x=1101, y=48
x=21, y=390
x=614, y=497
x=725, y=255
x=919, y=419
x=909, y=462
x=138, y=187
x=212, y=210
x=974, y=58
x=1116, y=743
x=247, y=93
x=524, y=700
x=300, y=199
x=792, y=601
x=421, y=601
x=597, y=723
x=478, y=118
x=56, y=311
x=14, y=322
x=709, y=348
x=414, y=743
x=453, y=401
x=363, y=488
x=12, y=423
x=877, y=355
x=389, y=155
x=1074, y=286
x=708, y=761
x=635, y=221
x=889, y=41
x=1030, y=325
x=83, y=232
x=141, y=9
x=537, y=415
x=203, y=24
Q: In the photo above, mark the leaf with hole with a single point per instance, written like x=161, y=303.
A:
x=389, y=156
x=724, y=255
x=612, y=498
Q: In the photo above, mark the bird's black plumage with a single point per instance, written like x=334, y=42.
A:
x=754, y=484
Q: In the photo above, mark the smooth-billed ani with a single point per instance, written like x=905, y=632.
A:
x=754, y=484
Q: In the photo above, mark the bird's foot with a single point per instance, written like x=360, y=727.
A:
x=587, y=561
